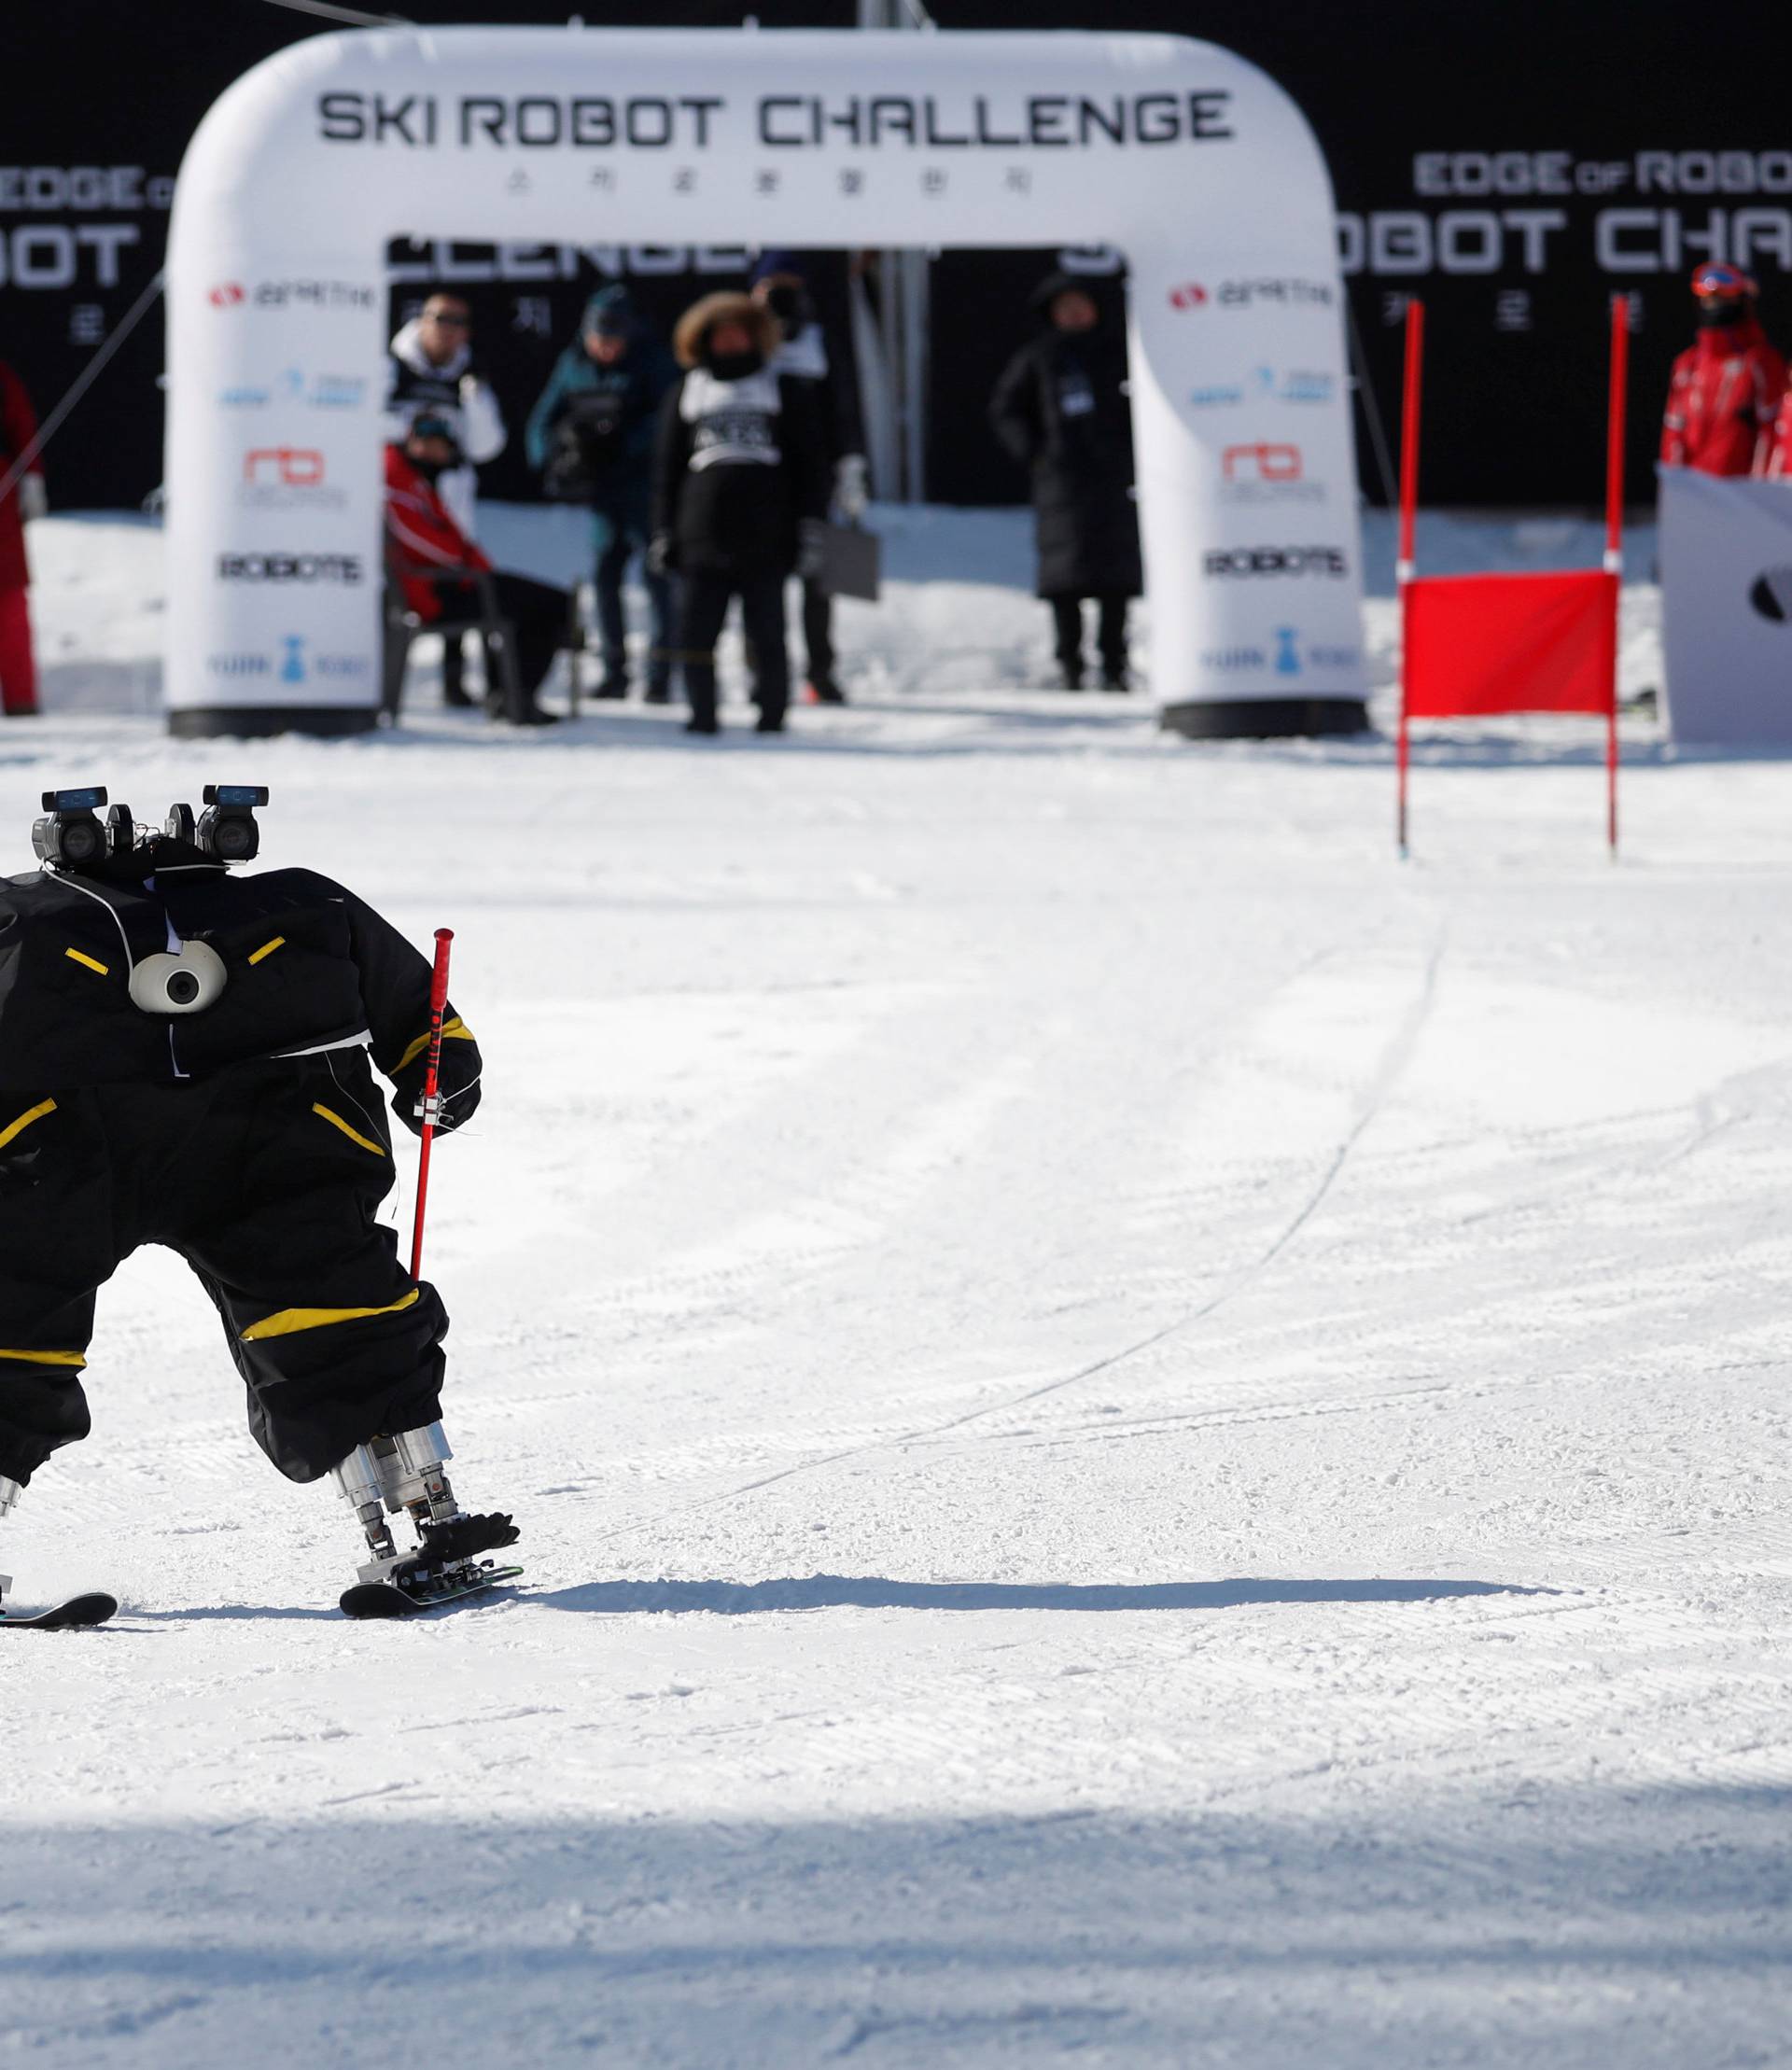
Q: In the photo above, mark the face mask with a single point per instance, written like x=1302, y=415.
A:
x=431, y=471
x=1720, y=314
x=733, y=366
x=788, y=303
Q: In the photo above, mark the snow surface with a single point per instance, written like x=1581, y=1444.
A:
x=1144, y=1437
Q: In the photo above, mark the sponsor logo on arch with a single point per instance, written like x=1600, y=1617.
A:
x=287, y=478
x=293, y=385
x=1289, y=657
x=1225, y=563
x=345, y=568
x=1295, y=384
x=1266, y=471
x=294, y=661
x=1273, y=291
x=292, y=294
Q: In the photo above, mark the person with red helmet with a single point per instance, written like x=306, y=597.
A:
x=1725, y=393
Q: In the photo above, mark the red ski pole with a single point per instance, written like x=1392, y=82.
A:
x=431, y=1097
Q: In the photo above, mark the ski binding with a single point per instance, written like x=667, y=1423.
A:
x=387, y=1599
x=445, y=1568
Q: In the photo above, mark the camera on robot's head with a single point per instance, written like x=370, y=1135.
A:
x=71, y=836
x=226, y=830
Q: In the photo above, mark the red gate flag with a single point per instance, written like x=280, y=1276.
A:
x=1481, y=644
x=1474, y=646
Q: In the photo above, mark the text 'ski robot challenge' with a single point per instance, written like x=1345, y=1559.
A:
x=184, y=1061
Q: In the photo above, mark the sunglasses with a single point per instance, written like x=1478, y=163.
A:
x=447, y=320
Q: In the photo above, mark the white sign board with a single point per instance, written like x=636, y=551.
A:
x=1727, y=609
x=1190, y=161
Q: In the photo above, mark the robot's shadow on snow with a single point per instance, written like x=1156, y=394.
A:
x=857, y=1592
x=737, y=1599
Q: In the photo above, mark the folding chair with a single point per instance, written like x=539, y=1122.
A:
x=497, y=634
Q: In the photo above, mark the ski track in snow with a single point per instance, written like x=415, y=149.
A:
x=1144, y=1437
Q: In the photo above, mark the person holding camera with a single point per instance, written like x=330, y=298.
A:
x=590, y=437
x=425, y=542
x=780, y=281
x=740, y=494
x=430, y=370
x=185, y=1061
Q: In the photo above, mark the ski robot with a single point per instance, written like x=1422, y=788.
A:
x=184, y=1061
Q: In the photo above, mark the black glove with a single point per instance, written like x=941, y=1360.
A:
x=456, y=1086
x=662, y=553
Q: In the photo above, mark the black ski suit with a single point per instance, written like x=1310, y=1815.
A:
x=248, y=1136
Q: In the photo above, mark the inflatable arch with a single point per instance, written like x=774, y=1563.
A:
x=1199, y=168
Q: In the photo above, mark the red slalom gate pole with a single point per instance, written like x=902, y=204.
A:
x=1410, y=398
x=1615, y=413
x=431, y=1097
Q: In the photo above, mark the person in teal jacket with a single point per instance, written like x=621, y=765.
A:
x=591, y=437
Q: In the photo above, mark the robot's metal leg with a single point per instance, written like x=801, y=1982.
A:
x=419, y=1484
x=359, y=1483
x=9, y=1493
x=387, y=1475
x=394, y=1474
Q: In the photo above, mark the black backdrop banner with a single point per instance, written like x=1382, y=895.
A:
x=1517, y=162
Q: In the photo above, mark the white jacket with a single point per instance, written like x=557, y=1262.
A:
x=418, y=387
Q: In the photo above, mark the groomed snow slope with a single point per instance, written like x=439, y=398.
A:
x=1144, y=1437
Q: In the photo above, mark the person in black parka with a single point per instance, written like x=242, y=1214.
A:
x=1061, y=410
x=184, y=1061
x=740, y=493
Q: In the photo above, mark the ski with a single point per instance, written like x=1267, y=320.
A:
x=73, y=1614
x=385, y=1599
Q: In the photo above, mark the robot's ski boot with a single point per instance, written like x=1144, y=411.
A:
x=404, y=1473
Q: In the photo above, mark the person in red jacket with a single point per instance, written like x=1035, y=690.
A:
x=21, y=503
x=423, y=537
x=1725, y=392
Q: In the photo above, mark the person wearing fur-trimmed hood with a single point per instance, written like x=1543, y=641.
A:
x=741, y=486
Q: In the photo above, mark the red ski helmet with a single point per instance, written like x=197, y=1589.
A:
x=1718, y=282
